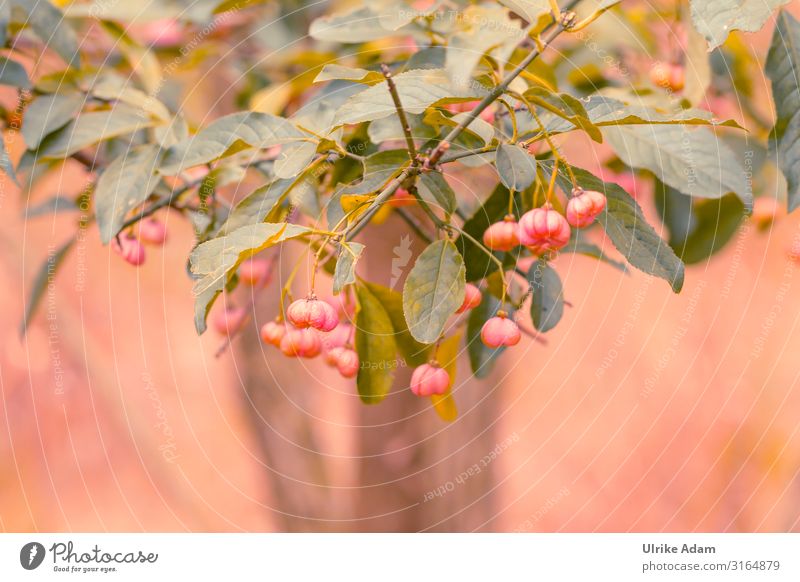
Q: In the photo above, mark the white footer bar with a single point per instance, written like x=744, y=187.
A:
x=401, y=557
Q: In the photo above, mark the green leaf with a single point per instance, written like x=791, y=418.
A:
x=214, y=262
x=481, y=357
x=628, y=229
x=697, y=66
x=693, y=161
x=547, y=300
x=5, y=162
x=52, y=205
x=783, y=70
x=91, y=128
x=258, y=205
x=433, y=290
x=435, y=190
x=13, y=74
x=294, y=158
x=715, y=19
x=414, y=352
x=112, y=87
x=125, y=184
x=487, y=29
x=333, y=72
x=44, y=278
x=698, y=228
x=418, y=90
x=141, y=59
x=389, y=128
x=251, y=128
x=5, y=19
x=345, y=273
x=375, y=346
x=48, y=113
x=516, y=167
x=530, y=10
x=605, y=111
x=49, y=24
x=361, y=25
x=566, y=107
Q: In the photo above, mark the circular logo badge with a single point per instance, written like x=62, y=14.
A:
x=31, y=555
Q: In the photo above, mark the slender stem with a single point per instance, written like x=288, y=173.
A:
x=551, y=32
x=546, y=134
x=489, y=254
x=379, y=201
x=415, y=226
x=424, y=205
x=401, y=114
x=552, y=186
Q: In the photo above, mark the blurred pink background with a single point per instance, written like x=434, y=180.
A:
x=646, y=411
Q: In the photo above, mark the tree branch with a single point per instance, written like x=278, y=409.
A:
x=401, y=114
x=551, y=32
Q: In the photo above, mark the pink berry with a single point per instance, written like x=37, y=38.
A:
x=302, y=343
x=500, y=331
x=255, y=272
x=472, y=298
x=584, y=207
x=229, y=321
x=152, y=231
x=543, y=229
x=312, y=312
x=272, y=333
x=429, y=379
x=332, y=355
x=402, y=197
x=129, y=249
x=341, y=336
x=348, y=363
x=502, y=236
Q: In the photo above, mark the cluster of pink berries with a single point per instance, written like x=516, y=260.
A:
x=313, y=326
x=544, y=229
x=130, y=246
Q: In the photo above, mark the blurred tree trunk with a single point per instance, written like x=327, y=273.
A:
x=405, y=469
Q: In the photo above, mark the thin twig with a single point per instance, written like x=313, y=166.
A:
x=401, y=114
x=379, y=201
x=551, y=32
x=415, y=226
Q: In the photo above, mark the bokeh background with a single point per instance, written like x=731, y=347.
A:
x=644, y=410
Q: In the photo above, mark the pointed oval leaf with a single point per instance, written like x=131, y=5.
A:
x=376, y=348
x=692, y=160
x=48, y=113
x=435, y=190
x=345, y=272
x=783, y=70
x=414, y=352
x=715, y=19
x=125, y=184
x=516, y=167
x=254, y=129
x=433, y=290
x=547, y=300
x=13, y=74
